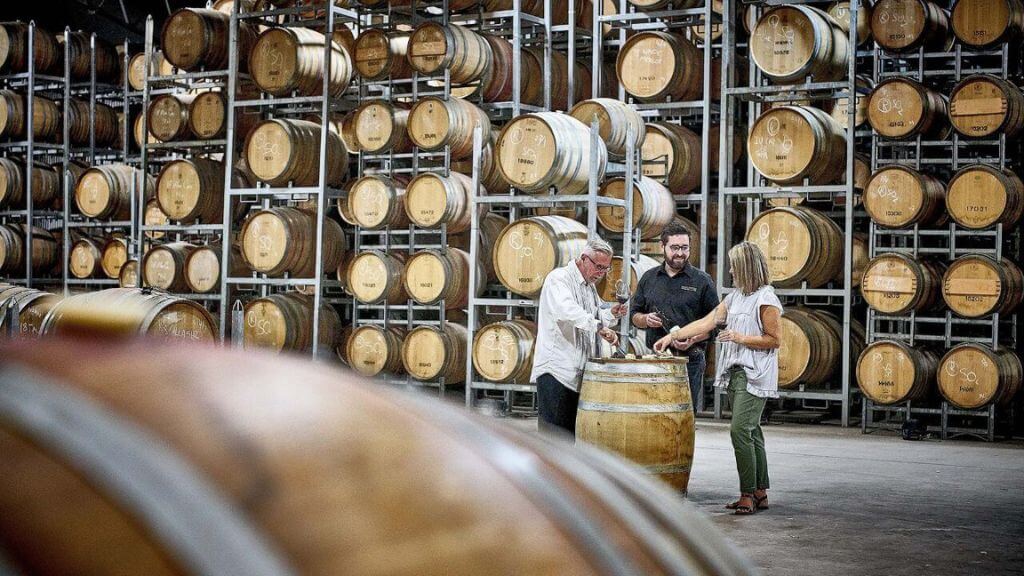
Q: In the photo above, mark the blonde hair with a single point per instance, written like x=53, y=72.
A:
x=749, y=267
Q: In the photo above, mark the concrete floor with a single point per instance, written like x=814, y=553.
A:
x=847, y=503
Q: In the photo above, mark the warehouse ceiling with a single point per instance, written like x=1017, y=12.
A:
x=114, y=20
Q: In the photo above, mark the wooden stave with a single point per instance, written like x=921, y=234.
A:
x=462, y=118
x=567, y=236
x=840, y=12
x=167, y=118
x=118, y=179
x=934, y=120
x=103, y=312
x=303, y=166
x=81, y=57
x=178, y=252
x=159, y=66
x=467, y=55
x=212, y=53
x=298, y=258
x=1012, y=104
x=393, y=291
x=457, y=267
x=113, y=256
x=297, y=311
x=614, y=120
x=975, y=35
x=933, y=199
x=197, y=113
x=655, y=210
x=105, y=129
x=457, y=212
x=927, y=275
x=1010, y=283
x=524, y=334
x=46, y=120
x=825, y=242
x=45, y=251
x=395, y=48
x=209, y=205
x=685, y=83
x=825, y=349
x=46, y=185
x=924, y=362
x=86, y=251
x=1007, y=385
x=830, y=54
x=307, y=79
x=1012, y=189
x=935, y=30
x=570, y=170
x=394, y=214
x=47, y=52
x=454, y=340
x=392, y=337
x=827, y=161
x=397, y=141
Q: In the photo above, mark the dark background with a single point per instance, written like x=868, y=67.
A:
x=104, y=17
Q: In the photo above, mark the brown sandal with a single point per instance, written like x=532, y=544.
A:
x=761, y=503
x=740, y=508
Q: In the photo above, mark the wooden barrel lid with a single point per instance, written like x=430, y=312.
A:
x=265, y=325
x=969, y=376
x=978, y=107
x=895, y=108
x=886, y=372
x=159, y=268
x=428, y=123
x=973, y=286
x=202, y=270
x=115, y=254
x=84, y=259
x=889, y=284
x=646, y=64
x=368, y=277
x=981, y=22
x=264, y=240
x=526, y=151
x=977, y=196
x=183, y=320
x=426, y=200
x=781, y=144
x=208, y=116
x=154, y=216
x=182, y=38
x=167, y=114
x=784, y=41
x=129, y=277
x=894, y=197
x=427, y=47
x=269, y=151
x=92, y=195
x=497, y=352
x=274, y=60
x=368, y=350
x=587, y=110
x=524, y=255
x=374, y=126
x=370, y=202
x=785, y=240
x=424, y=353
x=425, y=277
x=178, y=189
x=896, y=24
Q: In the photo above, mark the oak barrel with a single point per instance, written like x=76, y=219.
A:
x=528, y=249
x=284, y=322
x=903, y=108
x=131, y=311
x=490, y=173
x=153, y=215
x=793, y=42
x=890, y=371
x=503, y=351
x=129, y=276
x=641, y=410
x=377, y=201
x=980, y=196
x=896, y=284
x=372, y=350
x=81, y=57
x=208, y=117
x=14, y=49
x=435, y=123
x=382, y=126
x=286, y=150
x=191, y=190
x=654, y=207
x=984, y=106
x=163, y=266
x=972, y=376
x=542, y=150
x=168, y=117
x=985, y=23
x=976, y=286
x=376, y=277
x=203, y=267
x=672, y=153
x=104, y=192
x=287, y=60
x=905, y=25
x=381, y=54
x=791, y=143
x=810, y=348
x=430, y=353
x=32, y=306
x=276, y=241
x=432, y=276
x=614, y=119
x=114, y=255
x=800, y=244
x=46, y=184
x=840, y=12
x=45, y=250
x=159, y=66
x=85, y=259
x=197, y=38
x=900, y=197
x=490, y=228
x=104, y=124
x=433, y=47
x=654, y=66
x=433, y=200
x=46, y=117
x=606, y=285
x=840, y=111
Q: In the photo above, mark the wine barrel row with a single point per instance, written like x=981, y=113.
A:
x=97, y=256
x=200, y=116
x=45, y=250
x=811, y=345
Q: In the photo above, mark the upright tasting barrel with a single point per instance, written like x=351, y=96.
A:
x=900, y=197
x=376, y=277
x=286, y=150
x=976, y=286
x=286, y=60
x=642, y=410
x=903, y=108
x=430, y=353
x=793, y=42
x=897, y=284
x=282, y=240
x=791, y=143
x=528, y=249
x=435, y=275
x=131, y=311
x=905, y=25
x=984, y=106
x=800, y=244
x=284, y=322
x=890, y=371
x=980, y=196
x=542, y=150
x=654, y=66
x=503, y=351
x=972, y=376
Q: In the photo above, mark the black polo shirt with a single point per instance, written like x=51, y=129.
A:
x=689, y=295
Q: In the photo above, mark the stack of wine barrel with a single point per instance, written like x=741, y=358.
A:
x=972, y=202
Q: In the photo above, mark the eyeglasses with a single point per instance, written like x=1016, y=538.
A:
x=675, y=248
x=599, y=267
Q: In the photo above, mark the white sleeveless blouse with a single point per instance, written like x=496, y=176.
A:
x=760, y=366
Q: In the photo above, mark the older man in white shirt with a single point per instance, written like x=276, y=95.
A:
x=568, y=320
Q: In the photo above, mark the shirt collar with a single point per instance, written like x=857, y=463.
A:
x=684, y=272
x=574, y=271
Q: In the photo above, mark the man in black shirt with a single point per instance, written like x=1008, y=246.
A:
x=673, y=295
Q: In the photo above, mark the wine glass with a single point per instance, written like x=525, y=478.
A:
x=721, y=320
x=622, y=291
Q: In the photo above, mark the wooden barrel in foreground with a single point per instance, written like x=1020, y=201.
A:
x=972, y=376
x=791, y=143
x=980, y=196
x=45, y=250
x=430, y=353
x=284, y=322
x=896, y=284
x=614, y=119
x=800, y=245
x=985, y=23
x=653, y=206
x=503, y=351
x=435, y=123
x=14, y=56
x=641, y=410
x=381, y=126
x=433, y=47
x=46, y=117
x=905, y=25
x=976, y=286
x=376, y=277
x=372, y=350
x=432, y=200
x=282, y=240
x=654, y=66
x=287, y=60
x=984, y=106
x=435, y=275
x=32, y=306
x=528, y=249
x=543, y=150
x=131, y=311
x=615, y=522
x=287, y=150
x=191, y=190
x=890, y=371
x=792, y=42
x=380, y=54
x=195, y=38
x=903, y=108
x=900, y=197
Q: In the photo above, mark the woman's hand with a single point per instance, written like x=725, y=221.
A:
x=731, y=336
x=663, y=343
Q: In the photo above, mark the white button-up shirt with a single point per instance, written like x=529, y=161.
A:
x=569, y=317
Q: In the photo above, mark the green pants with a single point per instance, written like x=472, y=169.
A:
x=747, y=438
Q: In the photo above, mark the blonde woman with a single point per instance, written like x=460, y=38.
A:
x=748, y=365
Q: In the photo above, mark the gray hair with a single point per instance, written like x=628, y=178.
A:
x=595, y=245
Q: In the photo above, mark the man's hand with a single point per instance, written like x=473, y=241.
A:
x=652, y=320
x=609, y=335
x=663, y=343
x=619, y=310
x=683, y=345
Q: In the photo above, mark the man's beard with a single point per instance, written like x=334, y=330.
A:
x=677, y=262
